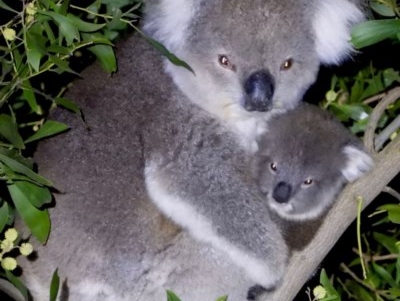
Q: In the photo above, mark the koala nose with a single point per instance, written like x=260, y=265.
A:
x=259, y=88
x=282, y=192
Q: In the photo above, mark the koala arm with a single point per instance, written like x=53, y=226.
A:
x=200, y=181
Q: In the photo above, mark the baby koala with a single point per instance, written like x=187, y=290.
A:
x=304, y=161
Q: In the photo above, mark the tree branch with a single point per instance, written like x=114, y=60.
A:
x=304, y=263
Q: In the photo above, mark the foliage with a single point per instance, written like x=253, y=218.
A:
x=374, y=275
x=39, y=42
x=171, y=296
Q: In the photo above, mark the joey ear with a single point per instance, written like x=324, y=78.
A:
x=332, y=24
x=359, y=162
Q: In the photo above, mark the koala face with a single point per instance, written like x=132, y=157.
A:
x=250, y=56
x=304, y=161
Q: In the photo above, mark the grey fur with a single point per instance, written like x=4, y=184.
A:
x=304, y=161
x=191, y=141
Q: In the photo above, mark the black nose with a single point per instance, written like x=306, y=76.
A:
x=282, y=192
x=259, y=88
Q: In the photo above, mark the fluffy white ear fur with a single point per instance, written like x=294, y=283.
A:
x=168, y=20
x=332, y=25
x=358, y=163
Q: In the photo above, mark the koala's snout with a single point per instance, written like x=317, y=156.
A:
x=259, y=88
x=282, y=192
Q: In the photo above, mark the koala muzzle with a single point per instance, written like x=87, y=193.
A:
x=259, y=88
x=282, y=192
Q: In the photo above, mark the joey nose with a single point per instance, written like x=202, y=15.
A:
x=259, y=88
x=282, y=192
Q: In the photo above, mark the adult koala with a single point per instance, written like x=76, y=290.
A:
x=250, y=59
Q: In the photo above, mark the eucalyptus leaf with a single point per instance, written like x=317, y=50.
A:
x=3, y=216
x=29, y=95
x=84, y=26
x=61, y=64
x=68, y=104
x=6, y=7
x=49, y=128
x=223, y=298
x=171, y=296
x=18, y=284
x=9, y=130
x=106, y=57
x=54, y=286
x=36, y=195
x=393, y=211
x=384, y=274
x=382, y=9
x=38, y=221
x=326, y=283
x=22, y=169
x=374, y=31
x=67, y=28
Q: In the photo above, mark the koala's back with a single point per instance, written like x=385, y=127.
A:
x=108, y=240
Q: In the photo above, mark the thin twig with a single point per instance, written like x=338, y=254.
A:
x=374, y=98
x=380, y=108
x=386, y=133
x=392, y=192
x=376, y=258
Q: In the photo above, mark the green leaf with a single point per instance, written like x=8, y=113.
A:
x=29, y=95
x=22, y=169
x=68, y=104
x=54, y=286
x=9, y=130
x=393, y=212
x=105, y=55
x=382, y=9
x=164, y=51
x=223, y=298
x=49, y=128
x=36, y=195
x=38, y=221
x=388, y=242
x=374, y=31
x=18, y=284
x=84, y=26
x=326, y=283
x=67, y=28
x=384, y=274
x=35, y=49
x=62, y=64
x=171, y=296
x=6, y=7
x=3, y=216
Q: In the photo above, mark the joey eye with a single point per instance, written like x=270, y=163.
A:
x=308, y=182
x=273, y=166
x=286, y=65
x=225, y=62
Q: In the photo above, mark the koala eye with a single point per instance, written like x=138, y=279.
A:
x=273, y=166
x=308, y=182
x=286, y=65
x=225, y=62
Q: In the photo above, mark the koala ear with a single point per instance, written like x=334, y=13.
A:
x=358, y=163
x=332, y=24
x=168, y=20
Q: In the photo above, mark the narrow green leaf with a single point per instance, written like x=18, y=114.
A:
x=6, y=7
x=164, y=51
x=84, y=26
x=223, y=298
x=388, y=242
x=171, y=296
x=63, y=65
x=54, y=286
x=384, y=274
x=63, y=8
x=106, y=57
x=326, y=283
x=18, y=284
x=29, y=95
x=393, y=211
x=69, y=31
x=68, y=104
x=9, y=130
x=382, y=9
x=38, y=221
x=22, y=169
x=36, y=195
x=374, y=31
x=49, y=128
x=3, y=216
